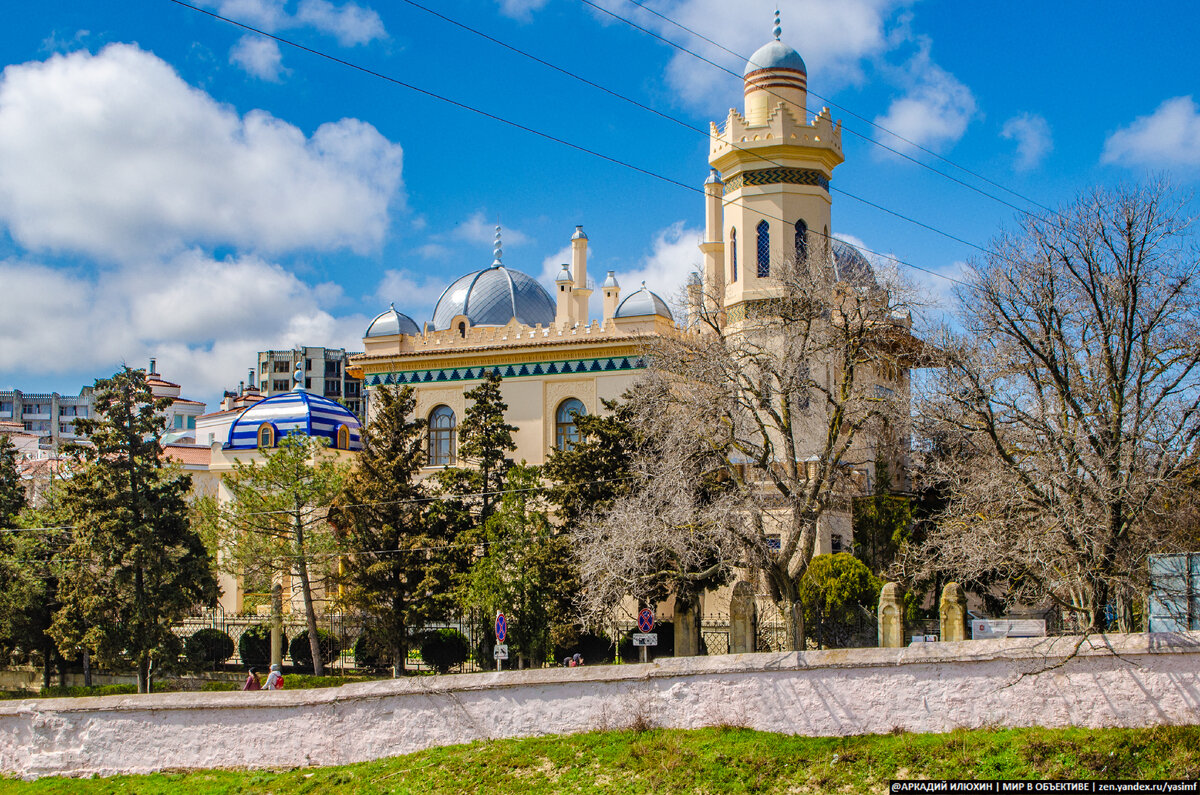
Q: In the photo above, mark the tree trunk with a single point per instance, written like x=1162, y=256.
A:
x=398, y=655
x=143, y=672
x=87, y=667
x=46, y=670
x=310, y=613
x=793, y=617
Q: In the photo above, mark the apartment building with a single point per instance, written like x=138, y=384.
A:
x=49, y=416
x=324, y=373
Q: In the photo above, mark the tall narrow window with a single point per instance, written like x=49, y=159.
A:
x=764, y=250
x=801, y=241
x=343, y=438
x=442, y=432
x=733, y=253
x=266, y=435
x=566, y=435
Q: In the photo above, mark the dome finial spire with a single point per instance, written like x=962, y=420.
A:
x=497, y=251
x=778, y=29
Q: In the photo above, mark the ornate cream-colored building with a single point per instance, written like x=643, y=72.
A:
x=767, y=200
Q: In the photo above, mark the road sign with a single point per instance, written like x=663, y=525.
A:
x=501, y=628
x=501, y=651
x=645, y=639
x=645, y=620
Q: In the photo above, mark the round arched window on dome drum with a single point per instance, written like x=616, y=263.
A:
x=733, y=253
x=343, y=438
x=443, y=442
x=566, y=434
x=266, y=435
x=764, y=250
x=801, y=241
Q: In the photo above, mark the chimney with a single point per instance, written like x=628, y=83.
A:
x=153, y=364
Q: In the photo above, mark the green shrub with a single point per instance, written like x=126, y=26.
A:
x=370, y=654
x=98, y=690
x=443, y=649
x=212, y=687
x=301, y=650
x=208, y=647
x=254, y=646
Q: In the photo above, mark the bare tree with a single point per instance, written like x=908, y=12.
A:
x=784, y=401
x=1065, y=419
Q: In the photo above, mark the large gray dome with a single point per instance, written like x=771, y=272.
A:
x=775, y=55
x=493, y=297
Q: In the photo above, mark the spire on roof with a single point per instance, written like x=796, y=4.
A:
x=497, y=252
x=778, y=29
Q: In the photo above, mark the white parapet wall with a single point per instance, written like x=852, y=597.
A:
x=1118, y=680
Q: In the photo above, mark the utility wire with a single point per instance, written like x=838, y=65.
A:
x=585, y=150
x=845, y=109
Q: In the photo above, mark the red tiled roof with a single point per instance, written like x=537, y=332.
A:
x=189, y=402
x=189, y=453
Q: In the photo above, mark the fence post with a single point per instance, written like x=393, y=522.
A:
x=952, y=611
x=277, y=624
x=891, y=616
x=687, y=628
x=742, y=619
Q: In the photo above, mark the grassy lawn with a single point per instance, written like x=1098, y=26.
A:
x=707, y=761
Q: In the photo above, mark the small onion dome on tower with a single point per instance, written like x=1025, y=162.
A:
x=775, y=73
x=267, y=422
x=494, y=296
x=611, y=281
x=643, y=303
x=564, y=275
x=850, y=265
x=391, y=322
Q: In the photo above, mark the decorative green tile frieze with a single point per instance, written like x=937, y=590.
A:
x=612, y=364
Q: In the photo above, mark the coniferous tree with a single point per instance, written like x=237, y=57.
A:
x=134, y=567
x=596, y=469
x=485, y=439
x=278, y=520
x=525, y=569
x=399, y=567
x=12, y=491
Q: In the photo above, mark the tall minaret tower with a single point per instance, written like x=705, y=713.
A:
x=771, y=200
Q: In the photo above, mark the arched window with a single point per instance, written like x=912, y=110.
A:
x=764, y=250
x=442, y=437
x=266, y=435
x=566, y=435
x=801, y=241
x=733, y=252
x=343, y=438
x=462, y=330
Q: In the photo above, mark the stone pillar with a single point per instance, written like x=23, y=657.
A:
x=891, y=617
x=953, y=612
x=277, y=624
x=743, y=623
x=687, y=627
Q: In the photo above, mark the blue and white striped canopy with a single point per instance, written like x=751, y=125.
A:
x=296, y=411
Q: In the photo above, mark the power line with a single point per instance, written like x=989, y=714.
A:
x=845, y=109
x=585, y=150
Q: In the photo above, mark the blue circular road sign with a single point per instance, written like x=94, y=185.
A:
x=645, y=620
x=501, y=628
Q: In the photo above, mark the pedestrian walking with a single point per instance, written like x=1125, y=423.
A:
x=274, y=679
x=252, y=682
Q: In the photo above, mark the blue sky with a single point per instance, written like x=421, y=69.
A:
x=172, y=186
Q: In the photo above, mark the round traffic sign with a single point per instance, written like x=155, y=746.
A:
x=645, y=620
x=501, y=628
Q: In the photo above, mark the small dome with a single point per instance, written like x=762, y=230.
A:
x=295, y=411
x=850, y=265
x=493, y=297
x=392, y=322
x=611, y=281
x=643, y=303
x=564, y=275
x=775, y=55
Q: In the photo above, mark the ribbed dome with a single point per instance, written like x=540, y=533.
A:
x=494, y=296
x=296, y=411
x=392, y=322
x=775, y=55
x=643, y=303
x=850, y=265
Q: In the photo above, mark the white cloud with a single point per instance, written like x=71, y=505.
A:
x=203, y=319
x=833, y=37
x=413, y=294
x=269, y=15
x=478, y=229
x=259, y=57
x=934, y=110
x=1032, y=134
x=113, y=155
x=520, y=10
x=351, y=24
x=1168, y=137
